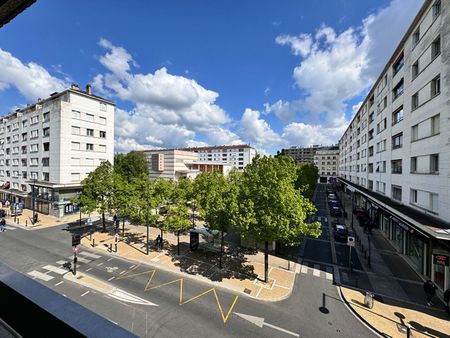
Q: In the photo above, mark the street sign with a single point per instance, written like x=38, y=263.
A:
x=75, y=249
x=76, y=239
x=351, y=241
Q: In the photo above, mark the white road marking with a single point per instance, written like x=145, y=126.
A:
x=89, y=269
x=61, y=262
x=40, y=275
x=85, y=293
x=10, y=227
x=131, y=267
x=122, y=272
x=59, y=283
x=110, y=259
x=329, y=273
x=304, y=269
x=111, y=279
x=84, y=260
x=88, y=254
x=99, y=264
x=259, y=321
x=55, y=269
x=316, y=270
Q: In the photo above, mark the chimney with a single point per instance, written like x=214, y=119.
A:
x=88, y=89
x=74, y=86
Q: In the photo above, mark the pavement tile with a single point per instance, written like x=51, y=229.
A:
x=282, y=277
x=390, y=319
x=274, y=293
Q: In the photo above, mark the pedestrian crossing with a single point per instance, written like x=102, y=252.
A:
x=317, y=270
x=48, y=272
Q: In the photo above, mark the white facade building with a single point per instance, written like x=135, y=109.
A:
x=53, y=145
x=326, y=159
x=395, y=154
x=236, y=155
x=175, y=164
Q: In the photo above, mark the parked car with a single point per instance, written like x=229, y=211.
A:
x=335, y=211
x=331, y=196
x=340, y=232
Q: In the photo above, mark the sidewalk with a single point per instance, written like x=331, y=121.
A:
x=242, y=272
x=44, y=221
x=399, y=295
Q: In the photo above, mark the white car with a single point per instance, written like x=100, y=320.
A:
x=331, y=196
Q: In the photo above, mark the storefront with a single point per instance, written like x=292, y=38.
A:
x=441, y=270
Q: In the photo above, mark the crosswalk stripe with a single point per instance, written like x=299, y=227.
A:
x=55, y=269
x=84, y=260
x=10, y=227
x=304, y=269
x=40, y=275
x=88, y=254
x=329, y=273
x=61, y=262
x=316, y=270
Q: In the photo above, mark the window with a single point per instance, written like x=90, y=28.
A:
x=75, y=114
x=398, y=90
x=436, y=9
x=381, y=126
x=34, y=175
x=415, y=101
x=46, y=146
x=34, y=161
x=75, y=161
x=381, y=146
x=89, y=146
x=34, y=148
x=370, y=167
x=75, y=145
x=102, y=148
x=46, y=177
x=90, y=117
x=397, y=141
x=75, y=177
x=34, y=134
x=89, y=161
x=45, y=161
x=397, y=115
x=75, y=130
x=102, y=120
x=434, y=163
x=24, y=174
x=371, y=117
x=436, y=86
x=24, y=149
x=370, y=134
x=424, y=199
x=381, y=167
x=385, y=102
x=436, y=47
x=415, y=69
x=24, y=162
x=396, y=166
x=103, y=135
x=427, y=128
x=90, y=132
x=396, y=192
x=416, y=37
x=46, y=132
x=371, y=151
x=24, y=123
x=24, y=136
x=34, y=120
x=47, y=117
x=398, y=64
x=381, y=187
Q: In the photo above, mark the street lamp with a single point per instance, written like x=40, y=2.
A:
x=33, y=199
x=147, y=221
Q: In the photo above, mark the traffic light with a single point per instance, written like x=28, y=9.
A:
x=76, y=239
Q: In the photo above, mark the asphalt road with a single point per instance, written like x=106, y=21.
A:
x=194, y=310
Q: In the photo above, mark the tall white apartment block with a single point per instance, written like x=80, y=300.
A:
x=53, y=145
x=395, y=154
x=236, y=155
x=326, y=159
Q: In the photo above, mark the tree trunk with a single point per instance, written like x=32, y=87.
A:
x=266, y=261
x=104, y=222
x=162, y=238
x=178, y=242
x=221, y=251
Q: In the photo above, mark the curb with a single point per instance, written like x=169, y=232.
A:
x=205, y=281
x=357, y=315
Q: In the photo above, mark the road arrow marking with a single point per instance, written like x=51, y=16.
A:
x=259, y=321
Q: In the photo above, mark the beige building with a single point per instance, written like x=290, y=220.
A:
x=326, y=160
x=175, y=164
x=301, y=154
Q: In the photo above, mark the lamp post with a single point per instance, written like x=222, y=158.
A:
x=353, y=207
x=147, y=221
x=33, y=199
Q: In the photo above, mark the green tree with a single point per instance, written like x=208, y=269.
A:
x=176, y=220
x=269, y=208
x=125, y=195
x=306, y=181
x=131, y=165
x=97, y=190
x=215, y=198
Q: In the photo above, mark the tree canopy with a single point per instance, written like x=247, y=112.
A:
x=131, y=165
x=307, y=176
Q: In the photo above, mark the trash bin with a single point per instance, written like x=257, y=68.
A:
x=368, y=300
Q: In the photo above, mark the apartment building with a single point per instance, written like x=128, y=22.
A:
x=301, y=154
x=326, y=159
x=175, y=164
x=49, y=147
x=237, y=156
x=395, y=154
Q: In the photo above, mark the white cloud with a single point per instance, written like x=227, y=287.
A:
x=307, y=134
x=31, y=80
x=336, y=67
x=168, y=109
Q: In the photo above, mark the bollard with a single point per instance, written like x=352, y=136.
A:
x=115, y=247
x=110, y=247
x=408, y=331
x=26, y=222
x=93, y=242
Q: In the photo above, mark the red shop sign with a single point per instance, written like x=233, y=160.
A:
x=441, y=260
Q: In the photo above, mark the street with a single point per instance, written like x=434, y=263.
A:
x=178, y=306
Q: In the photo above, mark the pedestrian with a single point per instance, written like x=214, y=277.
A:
x=447, y=300
x=2, y=225
x=430, y=291
x=158, y=242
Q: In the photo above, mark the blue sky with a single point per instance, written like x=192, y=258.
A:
x=269, y=73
